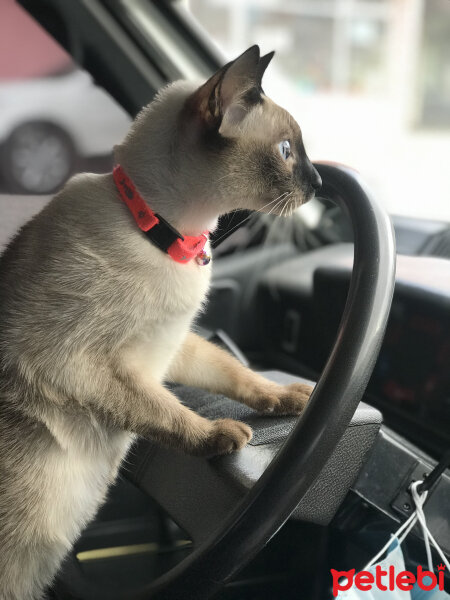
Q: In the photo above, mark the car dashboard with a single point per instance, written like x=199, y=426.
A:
x=301, y=304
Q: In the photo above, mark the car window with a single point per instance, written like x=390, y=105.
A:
x=54, y=121
x=368, y=81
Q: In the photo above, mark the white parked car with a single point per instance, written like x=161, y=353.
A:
x=47, y=124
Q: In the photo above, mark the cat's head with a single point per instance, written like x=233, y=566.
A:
x=254, y=144
x=222, y=146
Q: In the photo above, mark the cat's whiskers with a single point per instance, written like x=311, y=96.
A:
x=248, y=217
x=272, y=202
x=274, y=208
x=287, y=202
x=280, y=200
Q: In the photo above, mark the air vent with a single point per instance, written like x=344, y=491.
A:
x=439, y=245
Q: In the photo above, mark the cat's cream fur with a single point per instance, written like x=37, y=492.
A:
x=94, y=318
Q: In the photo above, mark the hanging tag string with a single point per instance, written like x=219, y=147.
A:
x=404, y=530
x=419, y=500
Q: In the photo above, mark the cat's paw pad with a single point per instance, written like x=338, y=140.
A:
x=292, y=399
x=226, y=436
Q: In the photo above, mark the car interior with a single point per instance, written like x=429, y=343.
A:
x=355, y=301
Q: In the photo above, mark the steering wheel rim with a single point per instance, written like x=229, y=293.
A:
x=270, y=502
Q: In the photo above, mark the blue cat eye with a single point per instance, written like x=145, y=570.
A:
x=285, y=149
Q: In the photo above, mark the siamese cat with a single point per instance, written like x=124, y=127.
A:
x=96, y=315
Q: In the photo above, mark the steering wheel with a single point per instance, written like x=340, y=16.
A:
x=335, y=398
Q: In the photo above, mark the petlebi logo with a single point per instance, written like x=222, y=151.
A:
x=388, y=579
x=385, y=574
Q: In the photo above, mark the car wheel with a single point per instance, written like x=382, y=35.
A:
x=37, y=158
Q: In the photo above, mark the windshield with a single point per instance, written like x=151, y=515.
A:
x=368, y=81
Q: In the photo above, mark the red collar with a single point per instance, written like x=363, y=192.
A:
x=180, y=248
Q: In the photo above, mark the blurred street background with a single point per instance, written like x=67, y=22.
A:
x=367, y=80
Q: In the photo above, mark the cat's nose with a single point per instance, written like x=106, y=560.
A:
x=316, y=180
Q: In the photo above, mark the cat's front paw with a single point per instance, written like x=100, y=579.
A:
x=226, y=436
x=291, y=399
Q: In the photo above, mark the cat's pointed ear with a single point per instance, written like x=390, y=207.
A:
x=263, y=64
x=227, y=90
x=240, y=77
